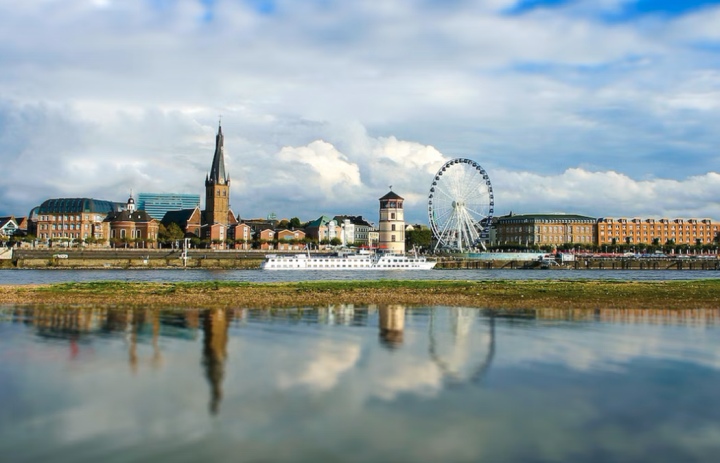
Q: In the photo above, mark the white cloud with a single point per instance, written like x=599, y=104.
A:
x=324, y=106
x=320, y=165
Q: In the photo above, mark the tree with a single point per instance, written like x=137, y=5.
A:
x=295, y=223
x=336, y=241
x=420, y=238
x=172, y=232
x=283, y=224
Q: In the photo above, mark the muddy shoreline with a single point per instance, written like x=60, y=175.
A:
x=500, y=294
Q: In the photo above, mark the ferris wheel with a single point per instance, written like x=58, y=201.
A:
x=461, y=205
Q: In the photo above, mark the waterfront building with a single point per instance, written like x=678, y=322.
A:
x=353, y=229
x=266, y=239
x=290, y=240
x=392, y=223
x=22, y=223
x=321, y=229
x=656, y=231
x=189, y=220
x=158, y=204
x=258, y=225
x=132, y=226
x=242, y=234
x=545, y=229
x=72, y=219
x=8, y=226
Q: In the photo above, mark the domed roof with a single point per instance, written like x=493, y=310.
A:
x=76, y=205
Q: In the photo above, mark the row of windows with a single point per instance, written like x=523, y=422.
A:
x=67, y=218
x=46, y=236
x=133, y=234
x=64, y=226
x=663, y=233
x=660, y=227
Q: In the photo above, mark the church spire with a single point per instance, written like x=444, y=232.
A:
x=217, y=172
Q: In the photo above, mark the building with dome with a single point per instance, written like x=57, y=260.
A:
x=132, y=227
x=72, y=219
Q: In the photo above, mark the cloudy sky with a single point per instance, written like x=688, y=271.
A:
x=598, y=107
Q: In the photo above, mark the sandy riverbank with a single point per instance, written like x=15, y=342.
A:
x=584, y=294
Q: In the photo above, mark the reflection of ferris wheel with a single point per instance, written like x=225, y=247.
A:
x=461, y=205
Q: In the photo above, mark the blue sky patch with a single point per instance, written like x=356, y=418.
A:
x=630, y=11
x=262, y=6
x=668, y=8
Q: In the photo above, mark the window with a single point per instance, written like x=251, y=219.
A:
x=122, y=233
x=393, y=227
x=392, y=216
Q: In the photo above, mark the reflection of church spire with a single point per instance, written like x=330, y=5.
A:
x=392, y=324
x=215, y=329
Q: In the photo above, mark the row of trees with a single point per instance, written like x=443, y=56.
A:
x=669, y=247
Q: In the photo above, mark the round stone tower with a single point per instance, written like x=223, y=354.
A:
x=392, y=224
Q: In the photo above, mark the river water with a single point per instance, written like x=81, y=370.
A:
x=21, y=277
x=358, y=384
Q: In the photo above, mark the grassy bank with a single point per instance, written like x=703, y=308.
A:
x=486, y=294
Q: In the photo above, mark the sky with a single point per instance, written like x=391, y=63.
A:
x=608, y=108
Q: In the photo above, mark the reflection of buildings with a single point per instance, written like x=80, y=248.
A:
x=392, y=324
x=215, y=329
x=138, y=320
x=697, y=317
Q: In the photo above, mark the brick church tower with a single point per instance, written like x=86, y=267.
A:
x=217, y=186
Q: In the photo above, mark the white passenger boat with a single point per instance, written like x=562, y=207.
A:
x=363, y=260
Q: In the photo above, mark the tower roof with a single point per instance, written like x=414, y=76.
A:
x=392, y=195
x=217, y=171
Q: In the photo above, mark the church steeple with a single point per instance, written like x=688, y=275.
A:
x=217, y=171
x=217, y=187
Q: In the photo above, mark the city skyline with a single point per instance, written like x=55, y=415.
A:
x=600, y=108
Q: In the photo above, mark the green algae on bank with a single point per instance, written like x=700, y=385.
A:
x=505, y=294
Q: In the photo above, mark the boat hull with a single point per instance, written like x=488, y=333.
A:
x=350, y=262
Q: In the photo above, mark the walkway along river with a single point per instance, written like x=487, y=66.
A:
x=208, y=258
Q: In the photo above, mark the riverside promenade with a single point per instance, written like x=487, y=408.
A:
x=232, y=259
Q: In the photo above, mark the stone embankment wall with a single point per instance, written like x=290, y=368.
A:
x=99, y=259
x=587, y=264
x=205, y=258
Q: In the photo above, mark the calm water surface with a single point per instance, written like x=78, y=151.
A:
x=344, y=383
x=22, y=277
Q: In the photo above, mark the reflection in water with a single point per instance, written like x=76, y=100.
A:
x=392, y=324
x=138, y=320
x=451, y=343
x=696, y=317
x=215, y=330
x=321, y=384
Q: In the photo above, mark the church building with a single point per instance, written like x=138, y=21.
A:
x=217, y=222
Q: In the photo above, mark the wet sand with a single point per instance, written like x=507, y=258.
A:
x=537, y=294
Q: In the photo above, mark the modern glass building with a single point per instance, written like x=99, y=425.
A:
x=157, y=204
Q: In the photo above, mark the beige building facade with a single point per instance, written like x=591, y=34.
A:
x=545, y=229
x=391, y=226
x=656, y=231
